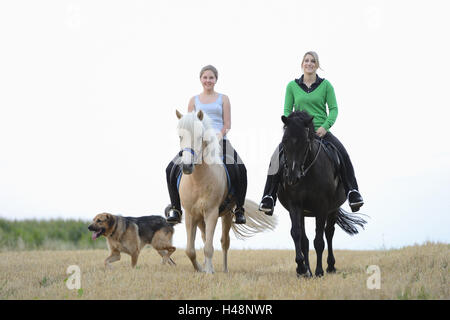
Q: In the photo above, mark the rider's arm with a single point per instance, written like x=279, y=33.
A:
x=191, y=105
x=332, y=107
x=288, y=101
x=226, y=115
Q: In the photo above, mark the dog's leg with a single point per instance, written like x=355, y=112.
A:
x=113, y=256
x=171, y=250
x=162, y=242
x=165, y=254
x=134, y=258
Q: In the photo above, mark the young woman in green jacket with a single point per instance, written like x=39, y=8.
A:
x=312, y=94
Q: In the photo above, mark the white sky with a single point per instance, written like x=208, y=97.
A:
x=88, y=92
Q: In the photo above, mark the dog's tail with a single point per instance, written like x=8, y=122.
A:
x=257, y=221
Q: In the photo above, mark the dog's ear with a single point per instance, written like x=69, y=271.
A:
x=109, y=219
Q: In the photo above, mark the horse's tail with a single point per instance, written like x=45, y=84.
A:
x=349, y=223
x=257, y=221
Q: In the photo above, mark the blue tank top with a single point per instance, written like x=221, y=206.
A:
x=213, y=110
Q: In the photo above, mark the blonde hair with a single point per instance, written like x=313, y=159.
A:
x=315, y=56
x=210, y=68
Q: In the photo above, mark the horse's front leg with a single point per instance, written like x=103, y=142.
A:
x=319, y=244
x=305, y=245
x=329, y=232
x=297, y=234
x=211, y=222
x=191, y=229
x=227, y=220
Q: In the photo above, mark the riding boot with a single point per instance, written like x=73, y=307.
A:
x=269, y=199
x=347, y=173
x=238, y=179
x=355, y=200
x=173, y=211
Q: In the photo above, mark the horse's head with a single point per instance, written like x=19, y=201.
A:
x=297, y=137
x=195, y=133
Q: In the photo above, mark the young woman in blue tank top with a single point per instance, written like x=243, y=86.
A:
x=217, y=107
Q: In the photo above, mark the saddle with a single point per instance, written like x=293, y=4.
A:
x=228, y=203
x=334, y=155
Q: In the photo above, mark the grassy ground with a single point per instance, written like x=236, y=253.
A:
x=415, y=272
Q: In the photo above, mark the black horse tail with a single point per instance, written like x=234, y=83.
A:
x=348, y=222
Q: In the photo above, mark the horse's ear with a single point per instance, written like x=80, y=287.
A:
x=200, y=115
x=179, y=115
x=308, y=121
x=284, y=119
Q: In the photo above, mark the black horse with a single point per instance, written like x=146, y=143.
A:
x=310, y=186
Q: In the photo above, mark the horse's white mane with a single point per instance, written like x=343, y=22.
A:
x=190, y=122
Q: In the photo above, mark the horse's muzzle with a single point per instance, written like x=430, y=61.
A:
x=188, y=168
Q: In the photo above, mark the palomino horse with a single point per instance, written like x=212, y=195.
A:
x=203, y=188
x=310, y=187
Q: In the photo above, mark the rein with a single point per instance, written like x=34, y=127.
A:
x=304, y=171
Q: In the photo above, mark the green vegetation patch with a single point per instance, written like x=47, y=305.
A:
x=47, y=235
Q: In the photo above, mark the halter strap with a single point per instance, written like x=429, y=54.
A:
x=190, y=150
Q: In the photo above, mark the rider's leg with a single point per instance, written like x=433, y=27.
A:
x=273, y=179
x=173, y=210
x=355, y=199
x=238, y=178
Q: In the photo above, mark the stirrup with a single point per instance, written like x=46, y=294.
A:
x=172, y=214
x=267, y=210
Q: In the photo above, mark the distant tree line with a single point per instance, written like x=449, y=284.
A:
x=47, y=234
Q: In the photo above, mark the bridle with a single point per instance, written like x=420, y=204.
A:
x=192, y=151
x=304, y=171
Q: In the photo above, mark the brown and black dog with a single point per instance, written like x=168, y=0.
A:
x=130, y=235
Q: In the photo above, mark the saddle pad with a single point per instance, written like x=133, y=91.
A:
x=333, y=154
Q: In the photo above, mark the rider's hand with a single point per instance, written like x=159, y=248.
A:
x=321, y=132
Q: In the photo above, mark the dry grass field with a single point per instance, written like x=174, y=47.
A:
x=415, y=272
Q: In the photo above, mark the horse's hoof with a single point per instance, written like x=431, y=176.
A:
x=319, y=273
x=306, y=274
x=331, y=270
